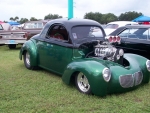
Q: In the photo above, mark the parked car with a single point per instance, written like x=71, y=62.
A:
x=13, y=37
x=134, y=39
x=110, y=27
x=76, y=50
x=33, y=27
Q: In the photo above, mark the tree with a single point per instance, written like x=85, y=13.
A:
x=16, y=18
x=23, y=20
x=129, y=16
x=51, y=16
x=101, y=18
x=33, y=19
x=11, y=18
x=93, y=16
x=109, y=17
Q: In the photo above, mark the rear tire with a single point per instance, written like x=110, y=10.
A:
x=26, y=58
x=12, y=46
x=82, y=83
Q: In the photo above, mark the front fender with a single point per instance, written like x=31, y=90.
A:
x=93, y=71
x=138, y=61
x=32, y=49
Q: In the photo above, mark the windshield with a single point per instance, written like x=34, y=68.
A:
x=112, y=26
x=33, y=25
x=1, y=28
x=86, y=32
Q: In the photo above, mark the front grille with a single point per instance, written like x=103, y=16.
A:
x=131, y=80
x=126, y=81
x=138, y=76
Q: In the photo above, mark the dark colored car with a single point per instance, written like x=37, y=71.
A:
x=76, y=50
x=134, y=39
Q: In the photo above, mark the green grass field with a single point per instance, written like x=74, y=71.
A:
x=40, y=91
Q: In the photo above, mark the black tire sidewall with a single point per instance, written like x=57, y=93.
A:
x=25, y=63
x=12, y=46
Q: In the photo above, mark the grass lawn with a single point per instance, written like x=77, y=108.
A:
x=40, y=91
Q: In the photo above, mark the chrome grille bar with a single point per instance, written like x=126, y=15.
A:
x=126, y=81
x=138, y=77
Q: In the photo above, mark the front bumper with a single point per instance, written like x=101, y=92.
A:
x=125, y=82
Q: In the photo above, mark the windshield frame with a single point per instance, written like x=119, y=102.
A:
x=87, y=30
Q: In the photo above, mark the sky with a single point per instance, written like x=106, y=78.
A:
x=40, y=8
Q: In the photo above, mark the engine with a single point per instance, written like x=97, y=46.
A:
x=106, y=51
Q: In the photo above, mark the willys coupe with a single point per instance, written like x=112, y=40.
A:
x=77, y=50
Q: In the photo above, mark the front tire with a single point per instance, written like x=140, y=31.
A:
x=82, y=83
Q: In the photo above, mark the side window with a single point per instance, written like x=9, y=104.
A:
x=132, y=34
x=124, y=34
x=58, y=32
x=129, y=33
x=141, y=33
x=145, y=35
x=40, y=25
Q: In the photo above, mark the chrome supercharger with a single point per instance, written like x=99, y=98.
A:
x=107, y=51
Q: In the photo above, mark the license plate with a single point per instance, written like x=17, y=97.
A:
x=12, y=41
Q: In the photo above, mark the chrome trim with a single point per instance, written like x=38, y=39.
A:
x=130, y=80
x=138, y=77
x=126, y=81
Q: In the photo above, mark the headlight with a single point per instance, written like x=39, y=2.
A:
x=106, y=74
x=148, y=65
x=121, y=52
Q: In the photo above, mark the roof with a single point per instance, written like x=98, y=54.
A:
x=137, y=26
x=122, y=22
x=142, y=19
x=73, y=22
x=14, y=23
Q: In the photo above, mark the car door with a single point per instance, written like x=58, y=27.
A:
x=54, y=53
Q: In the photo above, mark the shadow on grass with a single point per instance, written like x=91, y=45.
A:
x=18, y=47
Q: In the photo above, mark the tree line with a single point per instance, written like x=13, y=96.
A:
x=99, y=17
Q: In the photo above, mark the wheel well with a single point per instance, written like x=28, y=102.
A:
x=24, y=52
x=72, y=79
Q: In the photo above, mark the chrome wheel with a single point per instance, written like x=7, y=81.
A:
x=27, y=61
x=27, y=58
x=82, y=83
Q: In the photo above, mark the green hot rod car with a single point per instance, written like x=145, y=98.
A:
x=77, y=50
